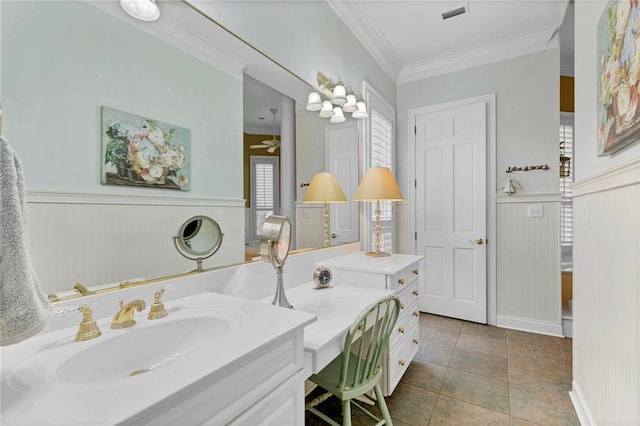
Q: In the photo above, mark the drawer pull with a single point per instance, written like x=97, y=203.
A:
x=401, y=329
x=415, y=292
x=415, y=272
x=415, y=341
x=401, y=362
x=401, y=305
x=401, y=281
x=416, y=313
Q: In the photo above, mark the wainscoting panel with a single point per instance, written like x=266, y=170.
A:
x=528, y=265
x=606, y=296
x=309, y=226
x=98, y=240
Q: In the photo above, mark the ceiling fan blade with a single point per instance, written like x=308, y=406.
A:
x=271, y=142
x=272, y=149
x=258, y=146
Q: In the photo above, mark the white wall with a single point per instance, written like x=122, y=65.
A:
x=306, y=37
x=527, y=120
x=527, y=94
x=55, y=81
x=62, y=61
x=606, y=271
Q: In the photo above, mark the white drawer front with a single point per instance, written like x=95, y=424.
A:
x=407, y=321
x=401, y=357
x=404, y=278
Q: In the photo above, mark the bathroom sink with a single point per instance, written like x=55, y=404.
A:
x=129, y=376
x=141, y=350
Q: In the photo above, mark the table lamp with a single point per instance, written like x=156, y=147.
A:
x=378, y=185
x=324, y=188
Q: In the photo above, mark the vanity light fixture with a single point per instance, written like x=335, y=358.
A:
x=341, y=99
x=144, y=10
x=338, y=116
x=324, y=188
x=378, y=185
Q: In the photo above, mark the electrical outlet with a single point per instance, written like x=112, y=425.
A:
x=535, y=210
x=306, y=213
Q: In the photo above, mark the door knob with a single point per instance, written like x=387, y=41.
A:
x=334, y=235
x=478, y=241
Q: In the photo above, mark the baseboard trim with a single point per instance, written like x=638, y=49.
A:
x=580, y=405
x=531, y=325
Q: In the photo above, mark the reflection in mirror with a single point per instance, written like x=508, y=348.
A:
x=118, y=62
x=198, y=238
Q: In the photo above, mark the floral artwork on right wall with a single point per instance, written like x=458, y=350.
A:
x=618, y=76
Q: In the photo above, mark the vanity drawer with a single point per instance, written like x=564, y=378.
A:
x=408, y=320
x=404, y=278
x=400, y=358
x=407, y=296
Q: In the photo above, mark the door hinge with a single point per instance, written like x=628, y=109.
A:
x=415, y=130
x=415, y=183
x=415, y=236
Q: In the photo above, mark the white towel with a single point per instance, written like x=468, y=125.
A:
x=24, y=309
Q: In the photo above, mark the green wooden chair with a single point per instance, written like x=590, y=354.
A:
x=357, y=371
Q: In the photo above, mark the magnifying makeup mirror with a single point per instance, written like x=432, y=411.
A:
x=198, y=238
x=274, y=249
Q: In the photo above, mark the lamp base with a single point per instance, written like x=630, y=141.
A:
x=378, y=253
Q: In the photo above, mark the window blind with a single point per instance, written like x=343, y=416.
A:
x=566, y=210
x=382, y=156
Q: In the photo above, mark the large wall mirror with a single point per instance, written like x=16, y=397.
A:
x=63, y=61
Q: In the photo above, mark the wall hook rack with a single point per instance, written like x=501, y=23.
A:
x=511, y=169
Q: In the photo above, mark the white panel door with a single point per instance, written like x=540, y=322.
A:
x=342, y=161
x=451, y=211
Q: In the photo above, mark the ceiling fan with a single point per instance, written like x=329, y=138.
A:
x=271, y=144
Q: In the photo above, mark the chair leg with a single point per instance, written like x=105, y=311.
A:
x=346, y=413
x=383, y=406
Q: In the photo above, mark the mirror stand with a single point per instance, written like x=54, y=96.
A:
x=280, y=298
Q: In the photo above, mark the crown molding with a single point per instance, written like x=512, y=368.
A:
x=359, y=21
x=544, y=39
x=169, y=29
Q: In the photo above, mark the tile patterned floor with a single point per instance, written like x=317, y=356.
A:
x=471, y=374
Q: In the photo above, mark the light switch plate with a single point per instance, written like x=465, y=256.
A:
x=306, y=213
x=535, y=210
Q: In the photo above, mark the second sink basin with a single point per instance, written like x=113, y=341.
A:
x=141, y=350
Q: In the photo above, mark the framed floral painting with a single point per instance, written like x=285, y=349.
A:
x=139, y=151
x=618, y=76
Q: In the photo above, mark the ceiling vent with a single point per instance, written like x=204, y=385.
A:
x=455, y=12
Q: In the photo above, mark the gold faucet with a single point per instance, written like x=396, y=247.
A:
x=157, y=311
x=88, y=328
x=80, y=288
x=124, y=317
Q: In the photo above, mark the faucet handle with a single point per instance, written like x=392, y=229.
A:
x=157, y=311
x=88, y=328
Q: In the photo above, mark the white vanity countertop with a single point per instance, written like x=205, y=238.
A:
x=361, y=262
x=336, y=309
x=35, y=389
